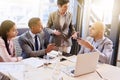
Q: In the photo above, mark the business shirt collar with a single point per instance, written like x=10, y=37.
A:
x=32, y=35
x=62, y=15
x=100, y=40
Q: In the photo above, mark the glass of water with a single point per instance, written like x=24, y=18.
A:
x=46, y=60
x=56, y=73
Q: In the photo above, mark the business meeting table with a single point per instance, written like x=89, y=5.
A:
x=38, y=71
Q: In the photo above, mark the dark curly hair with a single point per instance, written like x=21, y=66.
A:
x=33, y=21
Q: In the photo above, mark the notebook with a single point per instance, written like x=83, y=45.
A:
x=86, y=63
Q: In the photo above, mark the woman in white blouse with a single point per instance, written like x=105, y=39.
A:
x=7, y=51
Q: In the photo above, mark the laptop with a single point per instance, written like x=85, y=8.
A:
x=86, y=63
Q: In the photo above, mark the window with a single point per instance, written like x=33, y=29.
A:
x=20, y=11
x=102, y=10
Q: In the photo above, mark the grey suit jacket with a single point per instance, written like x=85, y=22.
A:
x=67, y=30
x=27, y=45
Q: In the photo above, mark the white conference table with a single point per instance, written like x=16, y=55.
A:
x=103, y=72
x=106, y=72
x=46, y=73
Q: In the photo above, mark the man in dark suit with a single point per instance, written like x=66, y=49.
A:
x=32, y=41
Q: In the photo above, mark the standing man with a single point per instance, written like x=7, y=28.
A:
x=60, y=26
x=97, y=42
x=32, y=41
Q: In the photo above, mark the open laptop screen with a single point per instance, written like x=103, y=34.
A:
x=85, y=63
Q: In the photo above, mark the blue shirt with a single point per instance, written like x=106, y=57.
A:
x=102, y=46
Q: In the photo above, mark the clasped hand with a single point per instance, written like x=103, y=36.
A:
x=50, y=47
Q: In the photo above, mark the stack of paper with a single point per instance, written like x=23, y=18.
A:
x=34, y=62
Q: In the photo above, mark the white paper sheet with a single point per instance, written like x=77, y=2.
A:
x=52, y=54
x=14, y=70
x=34, y=62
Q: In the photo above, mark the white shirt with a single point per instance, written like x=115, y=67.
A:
x=62, y=20
x=33, y=38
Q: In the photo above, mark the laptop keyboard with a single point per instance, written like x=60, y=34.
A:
x=68, y=70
